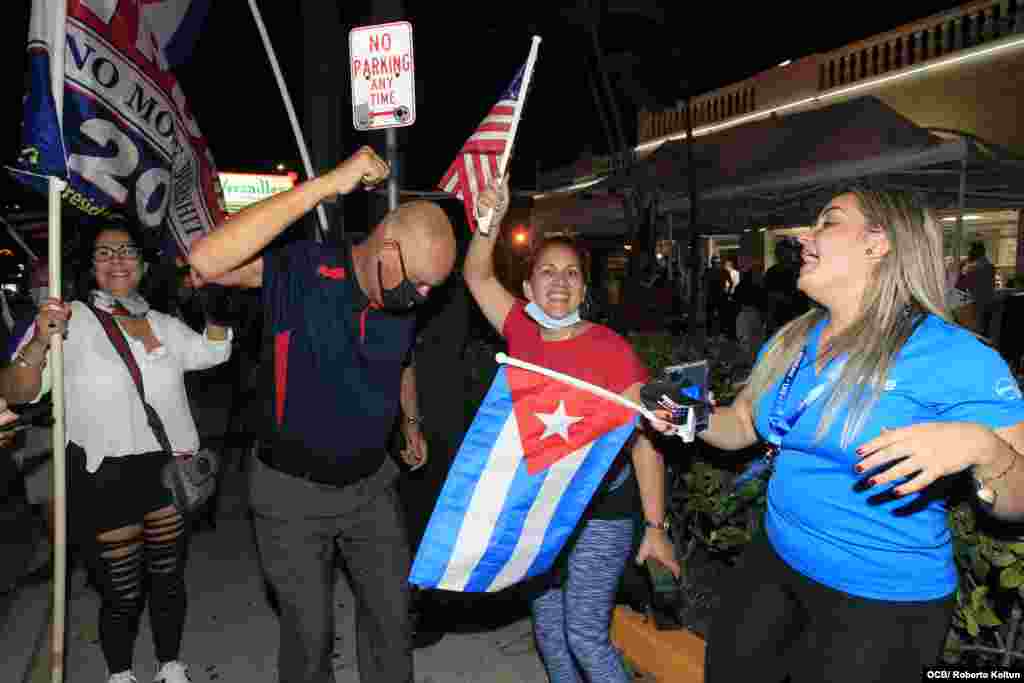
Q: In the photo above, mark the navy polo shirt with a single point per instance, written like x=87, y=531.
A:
x=335, y=363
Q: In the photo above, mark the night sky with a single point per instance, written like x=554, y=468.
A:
x=464, y=61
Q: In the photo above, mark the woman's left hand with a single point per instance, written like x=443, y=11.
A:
x=415, y=452
x=658, y=545
x=928, y=451
x=6, y=417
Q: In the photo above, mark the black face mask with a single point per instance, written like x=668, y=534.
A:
x=401, y=298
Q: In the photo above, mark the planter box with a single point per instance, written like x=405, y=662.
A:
x=668, y=656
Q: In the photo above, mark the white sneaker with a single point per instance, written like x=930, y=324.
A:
x=122, y=677
x=173, y=672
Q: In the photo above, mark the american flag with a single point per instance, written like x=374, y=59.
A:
x=476, y=164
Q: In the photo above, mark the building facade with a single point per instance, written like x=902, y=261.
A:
x=961, y=70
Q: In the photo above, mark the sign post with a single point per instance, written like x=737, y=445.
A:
x=383, y=86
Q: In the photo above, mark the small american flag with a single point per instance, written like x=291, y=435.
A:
x=476, y=164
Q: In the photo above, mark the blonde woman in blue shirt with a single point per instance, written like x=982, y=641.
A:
x=872, y=399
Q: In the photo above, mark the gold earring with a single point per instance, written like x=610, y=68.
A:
x=869, y=252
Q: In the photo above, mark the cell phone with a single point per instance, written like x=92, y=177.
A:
x=666, y=599
x=679, y=389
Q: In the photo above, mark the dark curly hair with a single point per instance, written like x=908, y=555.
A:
x=86, y=281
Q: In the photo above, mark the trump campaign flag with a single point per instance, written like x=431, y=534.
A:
x=124, y=138
x=485, y=154
x=529, y=465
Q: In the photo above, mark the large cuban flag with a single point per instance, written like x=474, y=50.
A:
x=115, y=124
x=527, y=468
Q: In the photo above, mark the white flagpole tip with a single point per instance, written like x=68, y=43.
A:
x=501, y=358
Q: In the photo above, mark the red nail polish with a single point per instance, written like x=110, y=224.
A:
x=858, y=468
x=872, y=482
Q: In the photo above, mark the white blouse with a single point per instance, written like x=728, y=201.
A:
x=104, y=414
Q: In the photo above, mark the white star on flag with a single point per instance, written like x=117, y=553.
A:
x=557, y=422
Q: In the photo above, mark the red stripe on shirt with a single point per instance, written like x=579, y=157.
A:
x=281, y=341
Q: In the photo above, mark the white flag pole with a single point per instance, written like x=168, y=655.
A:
x=56, y=187
x=484, y=221
x=679, y=430
x=282, y=86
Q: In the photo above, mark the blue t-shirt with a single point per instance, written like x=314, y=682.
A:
x=336, y=363
x=831, y=533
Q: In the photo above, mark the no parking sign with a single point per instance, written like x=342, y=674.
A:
x=383, y=84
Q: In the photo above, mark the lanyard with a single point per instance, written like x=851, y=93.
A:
x=778, y=424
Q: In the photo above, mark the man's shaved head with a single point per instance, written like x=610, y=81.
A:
x=427, y=239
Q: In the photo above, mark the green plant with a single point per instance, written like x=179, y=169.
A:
x=987, y=620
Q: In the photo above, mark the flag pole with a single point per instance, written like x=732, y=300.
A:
x=283, y=87
x=684, y=432
x=484, y=221
x=55, y=188
x=578, y=383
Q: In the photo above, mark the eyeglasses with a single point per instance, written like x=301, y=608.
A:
x=125, y=251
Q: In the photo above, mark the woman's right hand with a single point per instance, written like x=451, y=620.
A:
x=52, y=319
x=494, y=197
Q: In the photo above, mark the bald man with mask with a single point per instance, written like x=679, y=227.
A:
x=339, y=325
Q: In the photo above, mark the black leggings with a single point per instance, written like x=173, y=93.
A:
x=135, y=543
x=775, y=621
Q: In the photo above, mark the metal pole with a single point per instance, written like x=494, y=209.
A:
x=391, y=141
x=958, y=237
x=697, y=257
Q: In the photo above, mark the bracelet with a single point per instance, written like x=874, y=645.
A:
x=983, y=490
x=413, y=420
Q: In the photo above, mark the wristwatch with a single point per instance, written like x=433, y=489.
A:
x=413, y=420
x=664, y=526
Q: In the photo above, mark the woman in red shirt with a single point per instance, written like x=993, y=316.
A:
x=572, y=614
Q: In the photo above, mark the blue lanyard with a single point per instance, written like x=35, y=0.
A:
x=778, y=424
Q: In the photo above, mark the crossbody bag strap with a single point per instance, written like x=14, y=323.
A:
x=117, y=338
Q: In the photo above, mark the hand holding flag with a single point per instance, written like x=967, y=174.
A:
x=529, y=465
x=485, y=155
x=492, y=205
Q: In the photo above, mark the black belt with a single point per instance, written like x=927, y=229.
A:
x=299, y=462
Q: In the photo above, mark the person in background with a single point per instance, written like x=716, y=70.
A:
x=733, y=273
x=35, y=456
x=717, y=284
x=748, y=299
x=442, y=390
x=854, y=578
x=572, y=615
x=341, y=324
x=783, y=299
x=978, y=280
x=122, y=515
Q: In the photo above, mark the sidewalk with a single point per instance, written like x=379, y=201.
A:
x=232, y=635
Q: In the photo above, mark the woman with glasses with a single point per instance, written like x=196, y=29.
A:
x=122, y=515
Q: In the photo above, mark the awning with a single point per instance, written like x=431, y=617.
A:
x=781, y=170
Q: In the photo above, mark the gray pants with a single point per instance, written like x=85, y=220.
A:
x=299, y=524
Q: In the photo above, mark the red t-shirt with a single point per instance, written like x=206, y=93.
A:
x=601, y=357
x=598, y=355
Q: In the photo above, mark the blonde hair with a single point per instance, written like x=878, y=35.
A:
x=908, y=283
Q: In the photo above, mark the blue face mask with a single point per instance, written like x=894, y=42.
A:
x=546, y=321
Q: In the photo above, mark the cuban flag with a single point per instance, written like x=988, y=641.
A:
x=113, y=121
x=529, y=465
